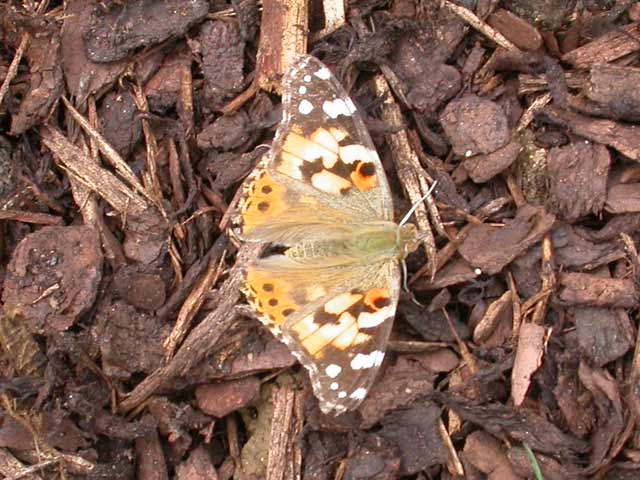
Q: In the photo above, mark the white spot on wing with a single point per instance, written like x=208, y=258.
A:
x=350, y=105
x=329, y=182
x=302, y=90
x=305, y=107
x=358, y=393
x=323, y=74
x=307, y=78
x=342, y=394
x=333, y=370
x=367, y=360
x=370, y=320
x=336, y=107
x=355, y=153
x=334, y=386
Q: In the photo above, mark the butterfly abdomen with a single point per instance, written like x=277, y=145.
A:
x=363, y=243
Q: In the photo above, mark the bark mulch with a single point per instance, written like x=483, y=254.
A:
x=127, y=349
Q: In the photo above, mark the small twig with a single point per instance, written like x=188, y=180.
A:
x=408, y=166
x=32, y=469
x=17, y=58
x=109, y=152
x=517, y=305
x=548, y=281
x=532, y=110
x=334, y=18
x=152, y=149
x=192, y=304
x=481, y=26
x=31, y=217
x=15, y=63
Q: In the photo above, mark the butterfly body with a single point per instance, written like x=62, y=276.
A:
x=321, y=191
x=366, y=243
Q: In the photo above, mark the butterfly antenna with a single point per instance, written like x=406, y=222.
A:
x=406, y=218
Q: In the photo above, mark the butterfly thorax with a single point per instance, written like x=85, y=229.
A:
x=367, y=242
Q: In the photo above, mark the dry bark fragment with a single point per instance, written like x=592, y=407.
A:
x=616, y=88
x=591, y=290
x=521, y=425
x=114, y=35
x=412, y=63
x=574, y=402
x=120, y=122
x=11, y=467
x=453, y=273
x=198, y=466
x=604, y=334
x=519, y=32
x=45, y=83
x=282, y=38
x=285, y=457
x=487, y=455
x=53, y=277
x=19, y=346
x=475, y=125
x=220, y=399
x=624, y=138
x=165, y=86
x=142, y=290
x=578, y=176
x=492, y=248
x=226, y=133
x=482, y=168
x=372, y=457
x=497, y=315
x=551, y=469
x=606, y=48
x=322, y=448
x=399, y=386
x=83, y=77
x=415, y=433
x=222, y=60
x=623, y=198
x=274, y=356
x=610, y=424
x=130, y=341
x=528, y=359
x=30, y=217
x=150, y=458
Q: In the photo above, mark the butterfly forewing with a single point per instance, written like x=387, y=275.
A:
x=324, y=143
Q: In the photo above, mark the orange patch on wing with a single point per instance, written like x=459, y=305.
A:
x=264, y=200
x=364, y=176
x=270, y=297
x=377, y=298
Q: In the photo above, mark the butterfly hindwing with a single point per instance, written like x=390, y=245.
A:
x=336, y=319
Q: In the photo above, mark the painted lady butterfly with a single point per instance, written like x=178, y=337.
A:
x=322, y=192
